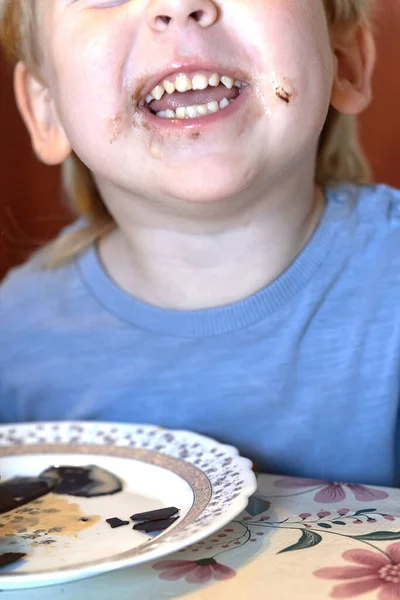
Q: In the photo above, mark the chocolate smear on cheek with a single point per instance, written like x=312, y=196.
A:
x=137, y=95
x=115, y=127
x=283, y=89
x=153, y=140
x=122, y=120
x=283, y=94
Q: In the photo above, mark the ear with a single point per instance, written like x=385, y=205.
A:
x=354, y=60
x=38, y=111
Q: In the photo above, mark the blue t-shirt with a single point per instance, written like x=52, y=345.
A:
x=303, y=376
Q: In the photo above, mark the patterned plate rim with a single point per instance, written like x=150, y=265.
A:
x=200, y=483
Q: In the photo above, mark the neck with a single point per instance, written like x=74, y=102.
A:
x=191, y=261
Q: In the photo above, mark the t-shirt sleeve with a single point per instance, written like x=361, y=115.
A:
x=7, y=401
x=18, y=306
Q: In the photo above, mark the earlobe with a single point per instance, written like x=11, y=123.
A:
x=38, y=112
x=354, y=68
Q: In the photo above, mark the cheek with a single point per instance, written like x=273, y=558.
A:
x=91, y=66
x=92, y=95
x=298, y=63
x=290, y=41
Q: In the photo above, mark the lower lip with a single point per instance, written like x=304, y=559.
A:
x=238, y=105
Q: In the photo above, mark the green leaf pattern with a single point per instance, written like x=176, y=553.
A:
x=308, y=539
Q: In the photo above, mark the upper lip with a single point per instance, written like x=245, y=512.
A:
x=144, y=89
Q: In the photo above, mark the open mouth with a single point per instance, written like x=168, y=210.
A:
x=185, y=96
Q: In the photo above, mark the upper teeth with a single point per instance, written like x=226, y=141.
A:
x=183, y=83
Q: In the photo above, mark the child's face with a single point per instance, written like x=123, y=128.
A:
x=103, y=57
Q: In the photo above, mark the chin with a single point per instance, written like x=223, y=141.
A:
x=208, y=184
x=201, y=192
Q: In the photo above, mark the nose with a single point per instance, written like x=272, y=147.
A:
x=162, y=14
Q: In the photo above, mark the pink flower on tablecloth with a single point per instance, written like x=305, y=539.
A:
x=332, y=492
x=199, y=571
x=375, y=571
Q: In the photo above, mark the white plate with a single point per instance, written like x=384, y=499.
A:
x=209, y=482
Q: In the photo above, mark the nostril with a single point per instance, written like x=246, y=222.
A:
x=197, y=15
x=164, y=19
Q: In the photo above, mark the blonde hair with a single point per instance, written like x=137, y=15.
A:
x=339, y=159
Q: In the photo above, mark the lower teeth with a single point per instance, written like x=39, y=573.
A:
x=193, y=112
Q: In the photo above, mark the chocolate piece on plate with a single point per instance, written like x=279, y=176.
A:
x=157, y=525
x=155, y=515
x=87, y=482
x=22, y=490
x=114, y=522
x=8, y=558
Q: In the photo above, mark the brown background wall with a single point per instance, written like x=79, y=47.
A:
x=31, y=209
x=30, y=201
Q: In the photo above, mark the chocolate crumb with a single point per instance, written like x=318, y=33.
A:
x=114, y=522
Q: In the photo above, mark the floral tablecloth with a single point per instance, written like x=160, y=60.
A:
x=297, y=539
